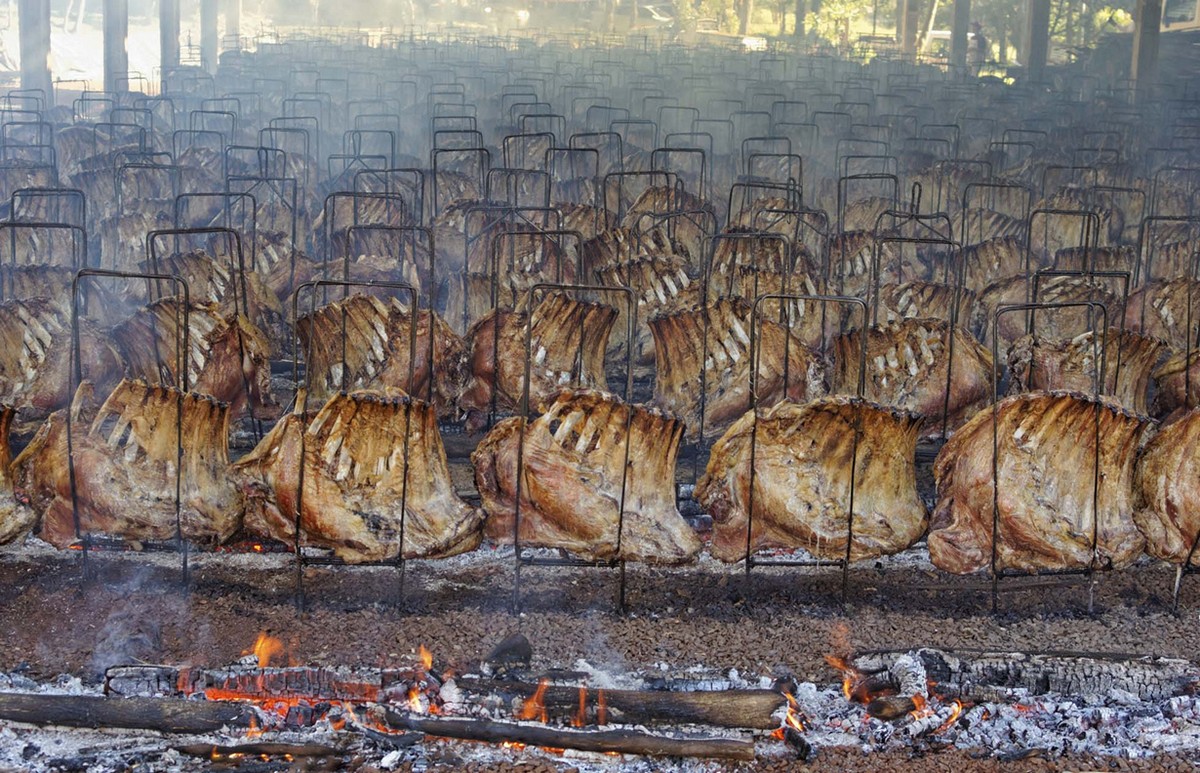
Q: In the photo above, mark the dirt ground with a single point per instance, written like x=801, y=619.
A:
x=135, y=608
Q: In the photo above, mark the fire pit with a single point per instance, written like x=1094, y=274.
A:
x=356, y=682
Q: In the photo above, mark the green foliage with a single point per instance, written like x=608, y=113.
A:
x=831, y=21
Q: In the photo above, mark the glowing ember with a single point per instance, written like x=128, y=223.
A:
x=426, y=657
x=601, y=708
x=413, y=702
x=535, y=706
x=265, y=648
x=851, y=677
x=254, y=731
x=793, y=719
x=512, y=745
x=949, y=723
x=921, y=709
x=581, y=715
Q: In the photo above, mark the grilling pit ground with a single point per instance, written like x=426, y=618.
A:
x=706, y=620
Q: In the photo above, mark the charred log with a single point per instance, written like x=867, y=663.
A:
x=619, y=741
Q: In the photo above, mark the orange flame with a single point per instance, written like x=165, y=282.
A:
x=413, y=703
x=949, y=723
x=535, y=706
x=581, y=715
x=426, y=657
x=512, y=745
x=921, y=709
x=850, y=675
x=601, y=708
x=254, y=731
x=265, y=648
x=792, y=719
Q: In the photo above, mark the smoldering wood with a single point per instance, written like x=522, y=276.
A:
x=620, y=741
x=982, y=675
x=891, y=707
x=165, y=715
x=251, y=682
x=208, y=750
x=722, y=708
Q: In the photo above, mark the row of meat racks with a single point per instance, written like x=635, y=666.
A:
x=735, y=234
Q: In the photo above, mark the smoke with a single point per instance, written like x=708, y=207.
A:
x=132, y=631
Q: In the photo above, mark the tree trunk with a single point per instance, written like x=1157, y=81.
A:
x=801, y=9
x=747, y=14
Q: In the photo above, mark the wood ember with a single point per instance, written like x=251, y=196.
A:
x=1000, y=675
x=720, y=708
x=620, y=741
x=165, y=715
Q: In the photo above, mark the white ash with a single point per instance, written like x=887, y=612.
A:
x=909, y=673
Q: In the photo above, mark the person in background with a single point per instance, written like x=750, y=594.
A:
x=977, y=51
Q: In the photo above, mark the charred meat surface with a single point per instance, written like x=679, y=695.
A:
x=908, y=366
x=35, y=357
x=704, y=353
x=378, y=339
x=1045, y=465
x=16, y=518
x=567, y=342
x=374, y=470
x=1066, y=321
x=225, y=357
x=1164, y=310
x=1168, y=502
x=1073, y=365
x=805, y=457
x=589, y=459
x=125, y=458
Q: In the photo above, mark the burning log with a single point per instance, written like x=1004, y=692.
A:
x=208, y=751
x=981, y=675
x=618, y=741
x=165, y=715
x=719, y=708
